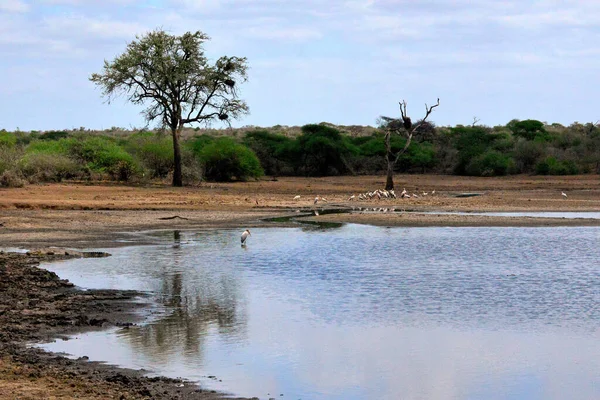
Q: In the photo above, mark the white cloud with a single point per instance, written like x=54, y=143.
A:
x=293, y=34
x=76, y=25
x=17, y=6
x=576, y=17
x=88, y=2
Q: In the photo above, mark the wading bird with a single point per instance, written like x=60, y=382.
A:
x=296, y=197
x=245, y=236
x=563, y=194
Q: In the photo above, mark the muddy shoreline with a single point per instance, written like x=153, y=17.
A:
x=36, y=306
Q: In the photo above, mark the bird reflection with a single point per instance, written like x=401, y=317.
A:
x=176, y=239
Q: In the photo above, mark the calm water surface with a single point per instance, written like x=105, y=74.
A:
x=361, y=312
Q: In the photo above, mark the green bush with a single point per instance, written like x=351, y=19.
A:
x=197, y=143
x=191, y=168
x=8, y=158
x=490, y=163
x=224, y=160
x=418, y=155
x=7, y=139
x=471, y=142
x=11, y=179
x=47, y=167
x=94, y=154
x=271, y=150
x=154, y=152
x=54, y=135
x=371, y=146
x=552, y=166
x=529, y=129
x=101, y=154
x=321, y=151
x=61, y=146
x=527, y=154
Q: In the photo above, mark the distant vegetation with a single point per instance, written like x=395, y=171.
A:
x=529, y=147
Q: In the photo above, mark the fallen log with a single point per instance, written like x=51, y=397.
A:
x=174, y=217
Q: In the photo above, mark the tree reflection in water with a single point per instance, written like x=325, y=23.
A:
x=198, y=301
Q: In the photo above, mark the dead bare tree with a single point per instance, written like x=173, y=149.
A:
x=402, y=127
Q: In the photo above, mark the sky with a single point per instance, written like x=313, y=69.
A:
x=342, y=61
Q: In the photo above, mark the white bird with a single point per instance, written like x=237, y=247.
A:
x=245, y=236
x=316, y=213
x=316, y=200
x=351, y=198
x=296, y=197
x=425, y=193
x=433, y=192
x=563, y=194
x=323, y=199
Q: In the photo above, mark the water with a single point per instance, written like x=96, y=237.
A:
x=531, y=214
x=361, y=312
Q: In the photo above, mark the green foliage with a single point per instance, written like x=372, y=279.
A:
x=471, y=142
x=418, y=155
x=48, y=167
x=529, y=129
x=224, y=160
x=100, y=154
x=322, y=151
x=61, y=146
x=94, y=153
x=7, y=139
x=490, y=163
x=54, y=135
x=313, y=150
x=552, y=166
x=11, y=179
x=197, y=143
x=271, y=149
x=372, y=146
x=153, y=151
x=9, y=156
x=527, y=153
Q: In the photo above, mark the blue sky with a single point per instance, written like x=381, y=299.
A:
x=341, y=61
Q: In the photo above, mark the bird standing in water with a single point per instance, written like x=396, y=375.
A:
x=245, y=236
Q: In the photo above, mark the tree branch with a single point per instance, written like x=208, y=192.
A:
x=428, y=111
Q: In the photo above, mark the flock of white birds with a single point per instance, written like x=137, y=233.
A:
x=376, y=194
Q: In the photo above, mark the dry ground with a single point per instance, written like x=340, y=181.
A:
x=83, y=214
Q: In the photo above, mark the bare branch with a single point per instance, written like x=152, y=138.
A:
x=428, y=111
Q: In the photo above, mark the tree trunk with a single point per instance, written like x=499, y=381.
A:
x=177, y=178
x=389, y=182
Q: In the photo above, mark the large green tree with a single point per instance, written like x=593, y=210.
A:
x=174, y=79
